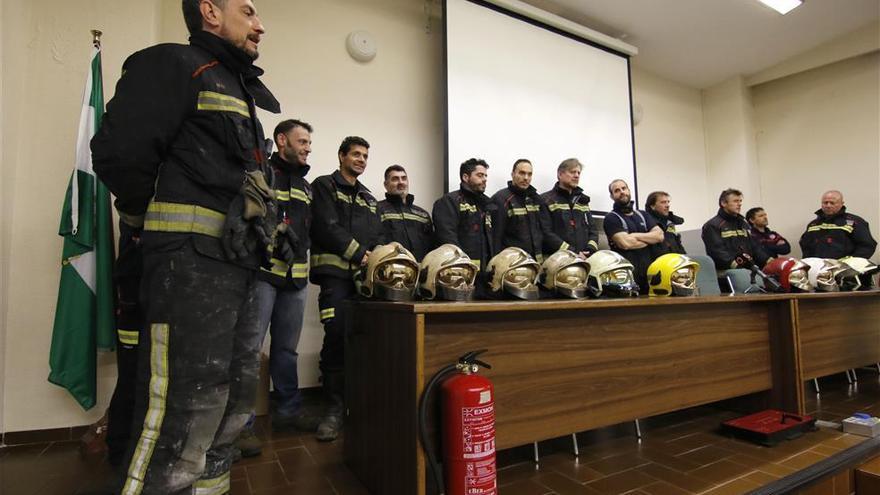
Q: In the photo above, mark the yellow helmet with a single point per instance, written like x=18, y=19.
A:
x=566, y=274
x=673, y=275
x=611, y=275
x=515, y=272
x=447, y=273
x=390, y=274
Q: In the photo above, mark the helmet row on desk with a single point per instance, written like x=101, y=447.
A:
x=447, y=273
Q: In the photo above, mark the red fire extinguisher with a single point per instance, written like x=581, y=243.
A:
x=468, y=429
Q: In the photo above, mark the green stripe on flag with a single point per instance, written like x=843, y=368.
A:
x=84, y=314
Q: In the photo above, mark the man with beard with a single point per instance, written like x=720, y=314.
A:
x=182, y=150
x=773, y=244
x=727, y=238
x=402, y=220
x=657, y=205
x=523, y=218
x=345, y=229
x=569, y=208
x=836, y=233
x=464, y=218
x=631, y=232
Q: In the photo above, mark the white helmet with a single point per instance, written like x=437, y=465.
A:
x=865, y=268
x=515, y=272
x=566, y=274
x=390, y=274
x=611, y=275
x=823, y=273
x=447, y=273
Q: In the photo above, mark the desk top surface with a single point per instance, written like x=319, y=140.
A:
x=425, y=307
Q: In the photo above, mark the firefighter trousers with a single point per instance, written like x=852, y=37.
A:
x=197, y=374
x=331, y=303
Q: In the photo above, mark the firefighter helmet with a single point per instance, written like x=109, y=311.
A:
x=864, y=277
x=390, y=274
x=673, y=275
x=611, y=275
x=823, y=273
x=791, y=273
x=566, y=274
x=447, y=273
x=515, y=272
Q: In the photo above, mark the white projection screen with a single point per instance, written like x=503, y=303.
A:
x=519, y=89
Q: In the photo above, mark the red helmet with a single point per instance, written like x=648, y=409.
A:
x=791, y=273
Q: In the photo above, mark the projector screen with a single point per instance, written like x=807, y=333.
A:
x=519, y=89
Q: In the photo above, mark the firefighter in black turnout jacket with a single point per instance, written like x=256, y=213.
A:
x=569, y=209
x=836, y=233
x=402, y=220
x=657, y=205
x=181, y=148
x=464, y=218
x=345, y=228
x=727, y=238
x=523, y=220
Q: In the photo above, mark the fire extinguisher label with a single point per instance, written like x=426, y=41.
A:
x=478, y=431
x=485, y=396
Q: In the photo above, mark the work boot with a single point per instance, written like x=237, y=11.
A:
x=331, y=423
x=248, y=443
x=301, y=420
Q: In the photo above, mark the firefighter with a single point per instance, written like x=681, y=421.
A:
x=836, y=233
x=772, y=242
x=727, y=238
x=345, y=228
x=402, y=220
x=631, y=232
x=569, y=209
x=182, y=150
x=523, y=218
x=657, y=205
x=464, y=218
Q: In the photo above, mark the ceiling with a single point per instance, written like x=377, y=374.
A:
x=704, y=42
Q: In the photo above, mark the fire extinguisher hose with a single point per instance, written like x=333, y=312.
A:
x=427, y=444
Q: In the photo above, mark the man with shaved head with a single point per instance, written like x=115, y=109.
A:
x=835, y=233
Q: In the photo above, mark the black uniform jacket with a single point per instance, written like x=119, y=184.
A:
x=727, y=236
x=406, y=223
x=344, y=226
x=671, y=238
x=464, y=218
x=294, y=196
x=570, y=218
x=524, y=222
x=839, y=235
x=178, y=137
x=769, y=242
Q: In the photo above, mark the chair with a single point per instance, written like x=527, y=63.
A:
x=707, y=283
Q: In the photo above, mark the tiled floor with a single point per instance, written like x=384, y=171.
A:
x=679, y=454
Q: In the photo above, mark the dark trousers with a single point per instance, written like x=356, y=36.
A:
x=197, y=373
x=333, y=313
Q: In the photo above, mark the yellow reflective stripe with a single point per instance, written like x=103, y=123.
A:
x=467, y=207
x=280, y=268
x=159, y=378
x=282, y=195
x=213, y=486
x=580, y=207
x=671, y=229
x=416, y=218
x=533, y=207
x=594, y=244
x=351, y=249
x=299, y=270
x=328, y=313
x=343, y=197
x=177, y=217
x=558, y=206
x=564, y=245
x=300, y=195
x=391, y=216
x=517, y=212
x=830, y=226
x=403, y=216
x=734, y=233
x=218, y=102
x=360, y=202
x=317, y=260
x=128, y=337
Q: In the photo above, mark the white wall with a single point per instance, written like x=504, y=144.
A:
x=820, y=130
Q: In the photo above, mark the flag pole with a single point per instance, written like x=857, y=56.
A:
x=96, y=37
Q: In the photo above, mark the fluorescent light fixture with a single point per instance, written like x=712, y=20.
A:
x=782, y=6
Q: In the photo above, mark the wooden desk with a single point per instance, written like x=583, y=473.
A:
x=838, y=331
x=559, y=367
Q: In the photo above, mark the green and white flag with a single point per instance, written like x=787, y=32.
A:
x=84, y=315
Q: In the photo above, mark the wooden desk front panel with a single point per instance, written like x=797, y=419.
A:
x=838, y=333
x=558, y=372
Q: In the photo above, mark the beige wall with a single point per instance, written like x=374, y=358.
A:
x=819, y=130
